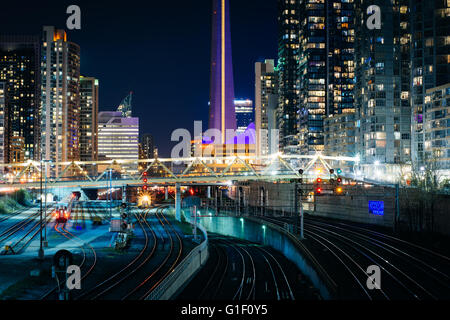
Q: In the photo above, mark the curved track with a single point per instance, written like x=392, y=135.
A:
x=245, y=271
x=87, y=252
x=408, y=271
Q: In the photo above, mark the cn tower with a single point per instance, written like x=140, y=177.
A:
x=222, y=113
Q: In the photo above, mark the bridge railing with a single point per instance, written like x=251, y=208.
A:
x=276, y=166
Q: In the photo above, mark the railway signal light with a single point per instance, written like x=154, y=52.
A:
x=123, y=205
x=145, y=180
x=145, y=173
x=339, y=171
x=339, y=180
x=331, y=171
x=124, y=216
x=318, y=191
x=300, y=171
x=339, y=190
x=144, y=188
x=319, y=180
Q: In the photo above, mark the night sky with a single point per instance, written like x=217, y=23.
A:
x=160, y=50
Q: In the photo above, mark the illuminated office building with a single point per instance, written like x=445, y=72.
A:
x=118, y=139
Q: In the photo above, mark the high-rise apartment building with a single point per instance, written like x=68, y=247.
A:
x=316, y=69
x=382, y=87
x=430, y=56
x=437, y=129
x=340, y=67
x=20, y=71
x=88, y=118
x=326, y=67
x=340, y=135
x=312, y=75
x=244, y=114
x=266, y=102
x=288, y=62
x=2, y=121
x=148, y=146
x=60, y=100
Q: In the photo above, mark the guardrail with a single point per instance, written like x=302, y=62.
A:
x=183, y=271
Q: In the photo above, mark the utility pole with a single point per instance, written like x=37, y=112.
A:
x=301, y=216
x=41, y=249
x=45, y=212
x=215, y=199
x=110, y=196
x=299, y=204
x=397, y=206
x=195, y=223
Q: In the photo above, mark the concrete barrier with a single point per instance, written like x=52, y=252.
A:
x=183, y=272
x=271, y=235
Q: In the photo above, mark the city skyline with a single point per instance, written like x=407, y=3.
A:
x=273, y=151
x=139, y=72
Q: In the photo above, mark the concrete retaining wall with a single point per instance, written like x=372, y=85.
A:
x=183, y=272
x=270, y=235
x=353, y=205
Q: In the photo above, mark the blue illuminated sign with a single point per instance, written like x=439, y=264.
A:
x=376, y=207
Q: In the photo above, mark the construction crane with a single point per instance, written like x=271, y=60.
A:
x=126, y=106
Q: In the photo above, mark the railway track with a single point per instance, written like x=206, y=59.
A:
x=143, y=267
x=23, y=232
x=164, y=268
x=406, y=275
x=107, y=286
x=12, y=215
x=242, y=271
x=87, y=253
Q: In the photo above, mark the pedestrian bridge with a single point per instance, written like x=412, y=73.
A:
x=208, y=170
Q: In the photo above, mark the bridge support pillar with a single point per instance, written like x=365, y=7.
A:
x=178, y=201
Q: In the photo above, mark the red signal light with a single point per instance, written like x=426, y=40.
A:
x=318, y=190
x=319, y=180
x=145, y=174
x=144, y=188
x=145, y=180
x=339, y=180
x=192, y=192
